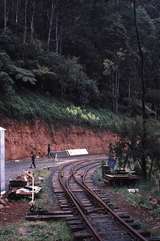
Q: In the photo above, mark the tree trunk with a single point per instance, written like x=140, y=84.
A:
x=57, y=35
x=143, y=89
x=17, y=10
x=129, y=88
x=50, y=24
x=117, y=4
x=32, y=21
x=25, y=22
x=113, y=91
x=60, y=40
x=116, y=92
x=151, y=168
x=5, y=15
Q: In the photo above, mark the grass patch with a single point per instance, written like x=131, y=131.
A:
x=44, y=173
x=35, y=106
x=135, y=199
x=7, y=233
x=141, y=199
x=36, y=231
x=43, y=201
x=97, y=177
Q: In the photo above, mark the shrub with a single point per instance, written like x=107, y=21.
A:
x=6, y=84
x=33, y=105
x=75, y=84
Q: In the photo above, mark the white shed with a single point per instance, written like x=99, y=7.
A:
x=2, y=160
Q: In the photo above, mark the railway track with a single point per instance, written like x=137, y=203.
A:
x=94, y=217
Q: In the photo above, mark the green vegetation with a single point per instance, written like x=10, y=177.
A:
x=44, y=201
x=146, y=198
x=81, y=51
x=35, y=231
x=35, y=106
x=81, y=65
x=129, y=148
x=97, y=177
x=135, y=199
x=77, y=62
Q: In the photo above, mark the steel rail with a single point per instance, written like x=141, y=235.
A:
x=71, y=195
x=108, y=209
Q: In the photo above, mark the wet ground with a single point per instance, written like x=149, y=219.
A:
x=15, y=168
x=15, y=211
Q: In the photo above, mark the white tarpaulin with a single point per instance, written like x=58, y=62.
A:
x=2, y=160
x=77, y=152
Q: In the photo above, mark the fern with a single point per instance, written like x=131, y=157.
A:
x=23, y=74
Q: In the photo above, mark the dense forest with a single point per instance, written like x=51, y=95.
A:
x=82, y=51
x=86, y=55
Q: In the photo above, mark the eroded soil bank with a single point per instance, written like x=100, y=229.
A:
x=24, y=137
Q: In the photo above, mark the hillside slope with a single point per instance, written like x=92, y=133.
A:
x=24, y=137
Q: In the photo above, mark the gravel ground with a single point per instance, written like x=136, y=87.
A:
x=15, y=168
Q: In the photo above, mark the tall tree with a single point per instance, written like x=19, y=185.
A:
x=25, y=21
x=5, y=15
x=57, y=34
x=143, y=90
x=32, y=20
x=17, y=11
x=51, y=23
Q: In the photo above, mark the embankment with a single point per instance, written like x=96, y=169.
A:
x=23, y=137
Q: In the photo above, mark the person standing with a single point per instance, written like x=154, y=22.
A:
x=112, y=163
x=33, y=158
x=49, y=150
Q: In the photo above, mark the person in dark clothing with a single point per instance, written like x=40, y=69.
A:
x=33, y=158
x=112, y=163
x=49, y=150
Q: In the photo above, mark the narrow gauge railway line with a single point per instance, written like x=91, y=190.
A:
x=77, y=203
x=83, y=183
x=95, y=217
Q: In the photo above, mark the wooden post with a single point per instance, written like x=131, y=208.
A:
x=32, y=188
